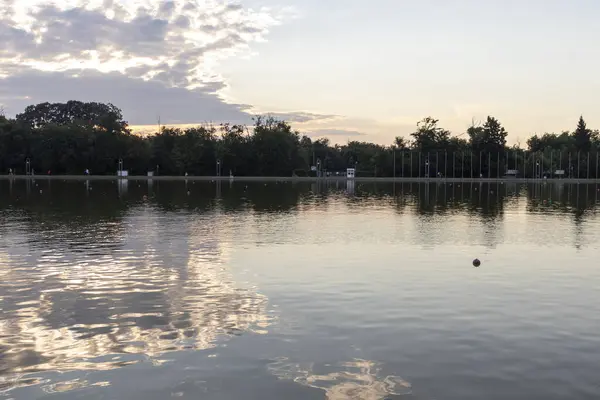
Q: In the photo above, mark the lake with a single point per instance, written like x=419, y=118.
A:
x=281, y=290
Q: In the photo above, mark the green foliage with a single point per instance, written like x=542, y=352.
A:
x=67, y=138
x=582, y=136
x=581, y=140
x=564, y=141
x=401, y=143
x=429, y=136
x=75, y=113
x=490, y=137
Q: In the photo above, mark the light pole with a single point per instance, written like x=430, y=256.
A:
x=27, y=166
x=453, y=164
x=587, y=175
x=498, y=167
x=427, y=168
x=560, y=164
x=218, y=167
x=445, y=163
x=471, y=164
x=394, y=151
x=120, y=167
x=402, y=164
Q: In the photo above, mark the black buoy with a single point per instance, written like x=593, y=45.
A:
x=476, y=262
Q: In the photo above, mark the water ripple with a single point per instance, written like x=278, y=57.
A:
x=65, y=309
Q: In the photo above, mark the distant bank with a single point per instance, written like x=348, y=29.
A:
x=290, y=179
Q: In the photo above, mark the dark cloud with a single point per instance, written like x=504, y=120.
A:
x=167, y=8
x=334, y=132
x=182, y=22
x=141, y=101
x=234, y=6
x=77, y=30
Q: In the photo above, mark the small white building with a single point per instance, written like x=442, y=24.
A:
x=350, y=173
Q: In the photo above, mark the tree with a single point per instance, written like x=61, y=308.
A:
x=275, y=147
x=582, y=136
x=91, y=115
x=430, y=137
x=550, y=141
x=490, y=137
x=400, y=143
x=233, y=149
x=70, y=137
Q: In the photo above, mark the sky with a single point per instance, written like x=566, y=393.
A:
x=345, y=69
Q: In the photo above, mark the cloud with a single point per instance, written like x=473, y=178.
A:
x=148, y=57
x=334, y=132
x=143, y=101
x=301, y=116
x=180, y=40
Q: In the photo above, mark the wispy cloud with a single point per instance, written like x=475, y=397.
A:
x=334, y=132
x=302, y=116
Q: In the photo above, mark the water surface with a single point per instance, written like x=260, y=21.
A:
x=223, y=290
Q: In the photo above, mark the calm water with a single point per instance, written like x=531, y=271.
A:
x=298, y=291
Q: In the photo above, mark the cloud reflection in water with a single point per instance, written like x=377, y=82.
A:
x=65, y=311
x=357, y=379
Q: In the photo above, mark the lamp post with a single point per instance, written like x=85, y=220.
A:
x=445, y=163
x=218, y=167
x=402, y=164
x=394, y=150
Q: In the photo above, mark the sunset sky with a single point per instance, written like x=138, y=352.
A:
x=349, y=70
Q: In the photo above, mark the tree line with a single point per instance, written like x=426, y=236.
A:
x=68, y=138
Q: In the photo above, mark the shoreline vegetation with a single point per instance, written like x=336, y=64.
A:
x=62, y=140
x=282, y=179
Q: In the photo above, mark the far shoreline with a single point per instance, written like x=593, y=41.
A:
x=294, y=179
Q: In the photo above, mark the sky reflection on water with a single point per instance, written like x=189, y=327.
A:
x=296, y=290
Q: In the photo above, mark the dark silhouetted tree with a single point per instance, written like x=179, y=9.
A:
x=582, y=136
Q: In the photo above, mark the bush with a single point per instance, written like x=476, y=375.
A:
x=300, y=173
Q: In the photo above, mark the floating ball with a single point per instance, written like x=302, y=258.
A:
x=476, y=262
